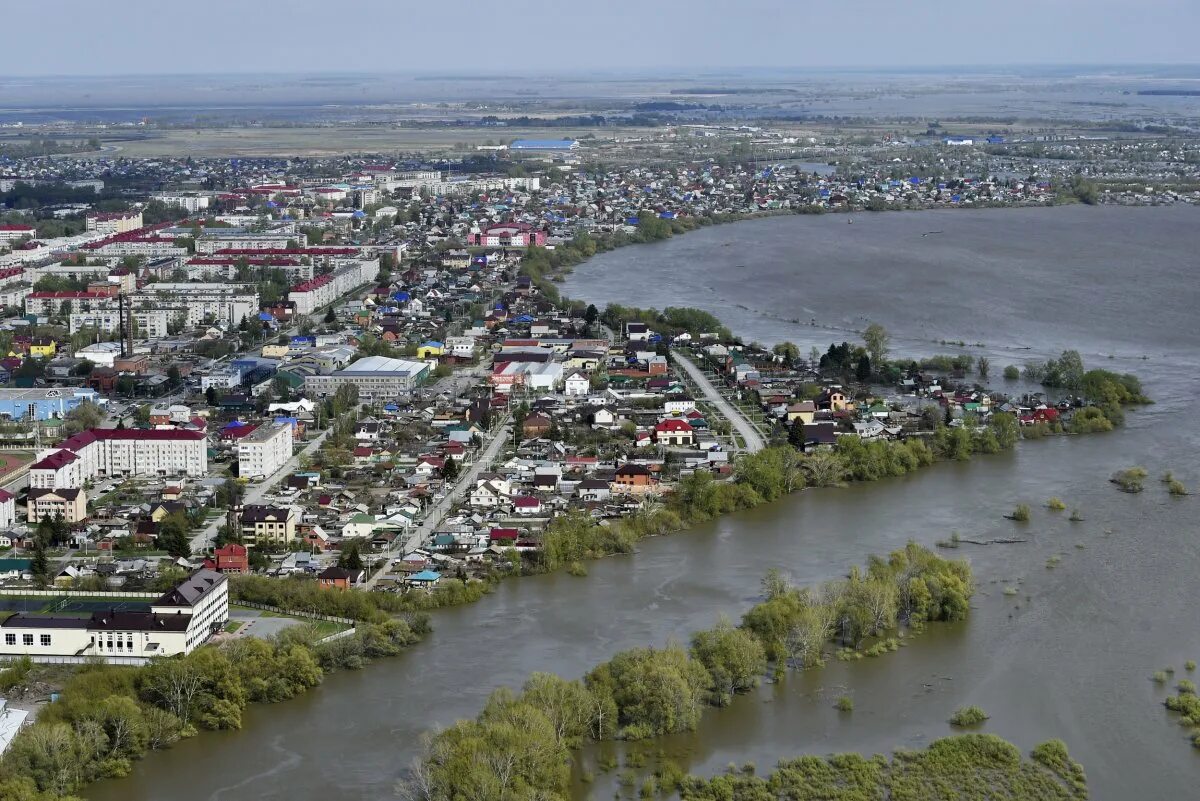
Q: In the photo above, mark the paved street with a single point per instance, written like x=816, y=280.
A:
x=465, y=483
x=754, y=441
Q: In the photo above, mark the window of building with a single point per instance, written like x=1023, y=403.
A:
x=45, y=640
x=27, y=639
x=10, y=639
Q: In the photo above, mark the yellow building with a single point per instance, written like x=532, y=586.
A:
x=427, y=350
x=42, y=348
x=49, y=503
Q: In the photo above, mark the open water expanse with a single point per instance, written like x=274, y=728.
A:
x=1070, y=655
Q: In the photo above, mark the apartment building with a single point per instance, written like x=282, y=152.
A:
x=264, y=451
x=188, y=201
x=117, y=222
x=48, y=504
x=147, y=323
x=131, y=452
x=325, y=289
x=268, y=524
x=223, y=304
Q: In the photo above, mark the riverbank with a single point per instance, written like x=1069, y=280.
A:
x=647, y=692
x=105, y=717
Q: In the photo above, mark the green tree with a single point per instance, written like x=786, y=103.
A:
x=39, y=564
x=734, y=659
x=350, y=559
x=877, y=340
x=84, y=416
x=173, y=535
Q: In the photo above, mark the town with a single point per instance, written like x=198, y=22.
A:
x=372, y=381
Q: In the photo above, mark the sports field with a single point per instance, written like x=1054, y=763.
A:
x=70, y=605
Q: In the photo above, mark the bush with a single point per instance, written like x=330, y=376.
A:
x=968, y=716
x=1020, y=513
x=1012, y=373
x=1189, y=665
x=1076, y=516
x=1055, y=504
x=1176, y=487
x=1130, y=479
x=844, y=703
x=1160, y=676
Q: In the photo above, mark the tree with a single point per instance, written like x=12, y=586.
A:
x=174, y=378
x=983, y=365
x=450, y=469
x=788, y=351
x=350, y=559
x=39, y=564
x=733, y=657
x=863, y=370
x=877, y=339
x=211, y=396
x=84, y=416
x=173, y=535
x=773, y=584
x=590, y=316
x=330, y=315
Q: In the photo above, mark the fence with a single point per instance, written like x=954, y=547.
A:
x=134, y=661
x=336, y=636
x=294, y=613
x=81, y=593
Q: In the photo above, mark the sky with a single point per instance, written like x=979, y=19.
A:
x=128, y=37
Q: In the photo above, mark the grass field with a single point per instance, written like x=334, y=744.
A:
x=331, y=141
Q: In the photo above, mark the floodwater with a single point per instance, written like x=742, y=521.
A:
x=1070, y=655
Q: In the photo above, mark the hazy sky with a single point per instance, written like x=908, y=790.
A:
x=84, y=37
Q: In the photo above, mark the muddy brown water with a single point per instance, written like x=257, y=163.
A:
x=1070, y=655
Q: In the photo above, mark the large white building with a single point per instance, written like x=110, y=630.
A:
x=239, y=239
x=121, y=452
x=189, y=202
x=265, y=450
x=116, y=222
x=183, y=619
x=325, y=289
x=224, y=304
x=377, y=378
x=147, y=323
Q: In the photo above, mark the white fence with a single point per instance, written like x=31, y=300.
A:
x=134, y=661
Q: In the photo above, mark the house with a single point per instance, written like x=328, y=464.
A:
x=338, y=578
x=633, y=478
x=430, y=350
x=593, y=489
x=674, y=432
x=804, y=411
x=268, y=524
x=536, y=425
x=527, y=505
x=230, y=558
x=425, y=579
x=577, y=385
x=490, y=492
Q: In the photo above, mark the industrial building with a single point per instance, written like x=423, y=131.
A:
x=42, y=404
x=377, y=378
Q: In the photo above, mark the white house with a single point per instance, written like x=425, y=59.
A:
x=492, y=492
x=576, y=385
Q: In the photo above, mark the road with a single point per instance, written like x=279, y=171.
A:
x=754, y=441
x=437, y=512
x=255, y=493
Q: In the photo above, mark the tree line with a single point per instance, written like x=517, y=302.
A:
x=520, y=745
x=969, y=766
x=107, y=716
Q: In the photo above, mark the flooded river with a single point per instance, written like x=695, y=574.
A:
x=1070, y=655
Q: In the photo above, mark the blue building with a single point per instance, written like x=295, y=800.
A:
x=42, y=403
x=544, y=144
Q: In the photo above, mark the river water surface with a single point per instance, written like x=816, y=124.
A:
x=1070, y=655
